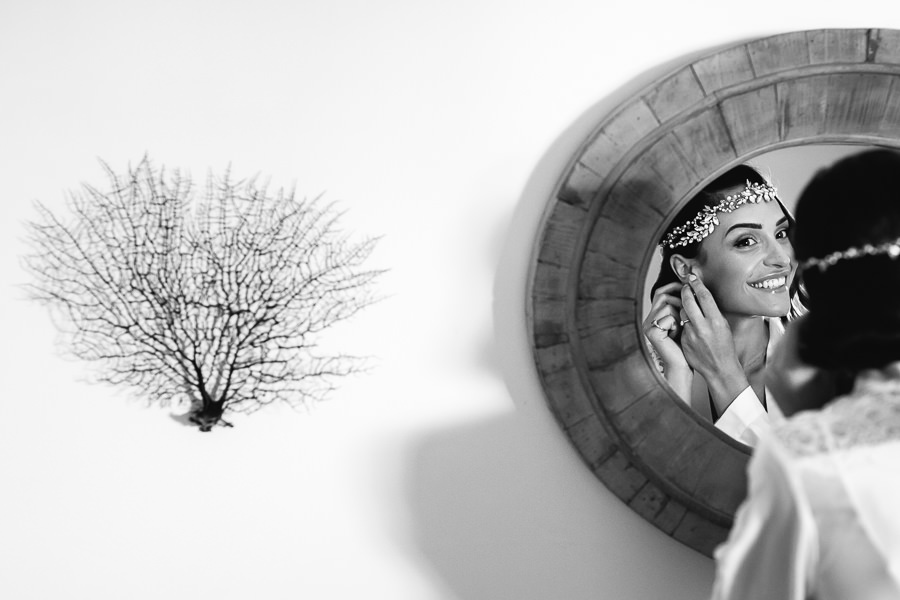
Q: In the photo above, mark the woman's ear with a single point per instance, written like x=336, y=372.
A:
x=682, y=266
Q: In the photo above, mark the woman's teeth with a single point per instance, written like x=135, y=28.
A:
x=770, y=284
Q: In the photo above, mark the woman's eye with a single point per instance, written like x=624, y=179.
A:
x=782, y=234
x=745, y=242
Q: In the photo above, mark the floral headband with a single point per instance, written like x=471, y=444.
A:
x=706, y=220
x=891, y=248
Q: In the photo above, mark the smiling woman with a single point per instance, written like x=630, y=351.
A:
x=732, y=239
x=635, y=171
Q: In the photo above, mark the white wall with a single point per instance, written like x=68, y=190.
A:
x=440, y=125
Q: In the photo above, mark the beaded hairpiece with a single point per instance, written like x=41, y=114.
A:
x=891, y=248
x=706, y=220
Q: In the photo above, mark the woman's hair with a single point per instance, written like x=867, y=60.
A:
x=854, y=304
x=711, y=195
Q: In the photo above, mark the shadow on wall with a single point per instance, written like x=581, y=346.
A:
x=502, y=509
x=505, y=508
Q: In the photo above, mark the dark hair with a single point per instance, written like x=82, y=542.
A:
x=711, y=195
x=854, y=305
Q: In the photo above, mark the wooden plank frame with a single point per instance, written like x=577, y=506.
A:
x=628, y=179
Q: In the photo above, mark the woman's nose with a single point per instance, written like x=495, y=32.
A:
x=779, y=254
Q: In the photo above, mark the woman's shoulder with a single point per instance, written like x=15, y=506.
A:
x=803, y=434
x=867, y=416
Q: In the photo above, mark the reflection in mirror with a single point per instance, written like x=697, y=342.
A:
x=721, y=288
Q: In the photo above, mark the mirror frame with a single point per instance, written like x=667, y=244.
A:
x=639, y=165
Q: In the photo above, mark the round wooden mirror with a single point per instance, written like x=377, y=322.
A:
x=629, y=178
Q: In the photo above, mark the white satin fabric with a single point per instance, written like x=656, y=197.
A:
x=822, y=516
x=745, y=419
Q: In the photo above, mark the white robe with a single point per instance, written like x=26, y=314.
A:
x=745, y=419
x=821, y=516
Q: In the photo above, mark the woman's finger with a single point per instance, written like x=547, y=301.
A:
x=704, y=297
x=664, y=300
x=689, y=304
x=661, y=333
x=662, y=321
x=665, y=323
x=669, y=288
x=665, y=307
x=665, y=310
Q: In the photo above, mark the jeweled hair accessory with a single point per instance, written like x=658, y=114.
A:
x=706, y=220
x=892, y=249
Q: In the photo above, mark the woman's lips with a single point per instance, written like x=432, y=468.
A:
x=775, y=283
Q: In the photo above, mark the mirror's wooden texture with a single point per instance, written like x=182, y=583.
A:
x=612, y=203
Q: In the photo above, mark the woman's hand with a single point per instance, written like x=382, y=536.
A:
x=662, y=327
x=708, y=345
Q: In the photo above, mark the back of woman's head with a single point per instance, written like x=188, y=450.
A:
x=711, y=195
x=854, y=304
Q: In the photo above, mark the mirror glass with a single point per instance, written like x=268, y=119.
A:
x=788, y=170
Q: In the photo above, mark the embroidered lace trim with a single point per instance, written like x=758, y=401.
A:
x=868, y=416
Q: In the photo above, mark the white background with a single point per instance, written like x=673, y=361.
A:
x=441, y=126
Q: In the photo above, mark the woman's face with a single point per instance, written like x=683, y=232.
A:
x=747, y=262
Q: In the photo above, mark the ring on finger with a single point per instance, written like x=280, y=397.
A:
x=685, y=322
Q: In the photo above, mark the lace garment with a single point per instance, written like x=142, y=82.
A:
x=820, y=519
x=869, y=415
